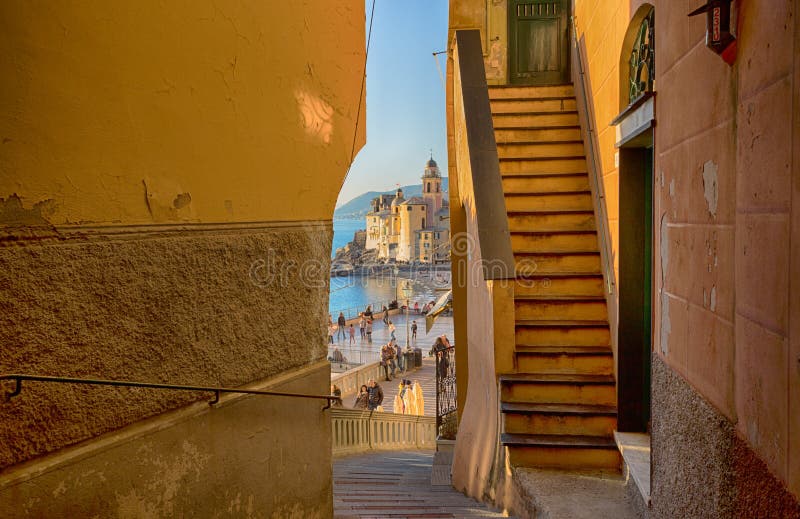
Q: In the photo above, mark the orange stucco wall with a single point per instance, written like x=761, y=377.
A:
x=726, y=140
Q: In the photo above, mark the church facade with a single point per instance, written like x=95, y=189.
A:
x=413, y=230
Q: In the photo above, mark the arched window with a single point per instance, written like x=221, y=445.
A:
x=637, y=60
x=428, y=187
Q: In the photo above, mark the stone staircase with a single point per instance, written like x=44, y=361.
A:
x=559, y=406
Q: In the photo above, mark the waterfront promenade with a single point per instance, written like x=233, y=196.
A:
x=424, y=375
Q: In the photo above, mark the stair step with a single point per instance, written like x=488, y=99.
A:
x=561, y=323
x=535, y=242
x=557, y=261
x=536, y=104
x=559, y=419
x=559, y=388
x=566, y=360
x=535, y=150
x=563, y=298
x=562, y=333
x=563, y=183
x=557, y=378
x=542, y=166
x=513, y=91
x=535, y=119
x=563, y=350
x=537, y=134
x=558, y=440
x=558, y=409
x=565, y=201
x=551, y=221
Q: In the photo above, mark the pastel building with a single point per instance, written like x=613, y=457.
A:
x=414, y=229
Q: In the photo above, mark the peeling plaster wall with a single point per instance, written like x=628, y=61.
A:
x=168, y=173
x=148, y=111
x=149, y=470
x=726, y=249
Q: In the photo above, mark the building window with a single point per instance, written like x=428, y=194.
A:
x=642, y=60
x=409, y=208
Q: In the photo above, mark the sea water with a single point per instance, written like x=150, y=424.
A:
x=352, y=294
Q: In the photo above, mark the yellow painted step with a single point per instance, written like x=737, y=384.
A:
x=535, y=150
x=571, y=182
x=581, y=201
x=559, y=389
x=554, y=222
x=529, y=119
x=544, y=241
x=500, y=92
x=552, y=419
x=564, y=458
x=553, y=104
x=573, y=284
x=536, y=308
x=526, y=134
x=557, y=262
x=538, y=333
x=584, y=361
x=509, y=167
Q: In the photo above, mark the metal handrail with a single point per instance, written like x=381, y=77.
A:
x=599, y=188
x=18, y=378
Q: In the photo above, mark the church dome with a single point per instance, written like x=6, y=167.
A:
x=431, y=164
x=398, y=199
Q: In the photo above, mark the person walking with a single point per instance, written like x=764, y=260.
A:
x=369, y=331
x=375, y=397
x=352, y=334
x=385, y=315
x=414, y=330
x=362, y=400
x=392, y=329
x=342, y=322
x=331, y=333
x=362, y=324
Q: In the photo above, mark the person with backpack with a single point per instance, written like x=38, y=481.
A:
x=375, y=398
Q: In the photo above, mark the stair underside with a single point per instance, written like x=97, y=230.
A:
x=559, y=408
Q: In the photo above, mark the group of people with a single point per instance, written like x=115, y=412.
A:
x=409, y=398
x=341, y=331
x=393, y=359
x=370, y=396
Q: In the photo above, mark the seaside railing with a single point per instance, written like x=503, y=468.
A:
x=352, y=356
x=354, y=311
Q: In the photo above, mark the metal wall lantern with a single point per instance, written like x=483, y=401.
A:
x=719, y=37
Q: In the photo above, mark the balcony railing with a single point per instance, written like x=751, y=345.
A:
x=356, y=431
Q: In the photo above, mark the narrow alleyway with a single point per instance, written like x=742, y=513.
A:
x=396, y=485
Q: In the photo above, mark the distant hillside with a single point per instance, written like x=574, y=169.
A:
x=359, y=206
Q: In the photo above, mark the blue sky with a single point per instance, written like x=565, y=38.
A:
x=405, y=96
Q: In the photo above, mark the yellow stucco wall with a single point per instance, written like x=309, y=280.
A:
x=148, y=111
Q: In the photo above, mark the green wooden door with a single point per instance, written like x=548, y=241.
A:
x=538, y=35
